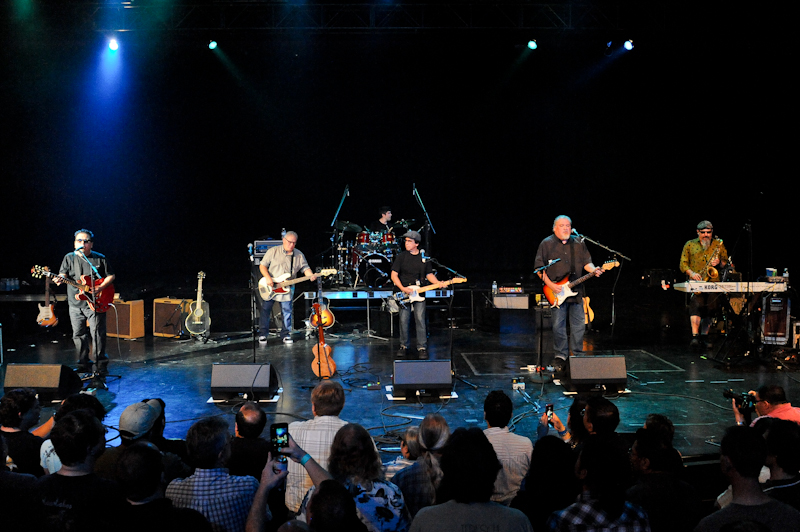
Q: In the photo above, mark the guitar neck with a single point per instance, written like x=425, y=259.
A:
x=433, y=286
x=578, y=281
x=199, y=292
x=290, y=282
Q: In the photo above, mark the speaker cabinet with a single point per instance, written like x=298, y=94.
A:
x=169, y=315
x=126, y=319
x=428, y=377
x=598, y=373
x=231, y=380
x=51, y=381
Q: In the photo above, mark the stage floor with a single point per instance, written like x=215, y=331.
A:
x=664, y=376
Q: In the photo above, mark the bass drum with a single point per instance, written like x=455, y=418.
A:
x=375, y=270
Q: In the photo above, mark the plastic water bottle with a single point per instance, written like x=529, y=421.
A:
x=494, y=288
x=283, y=233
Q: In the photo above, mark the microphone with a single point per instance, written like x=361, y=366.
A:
x=580, y=236
x=78, y=249
x=552, y=261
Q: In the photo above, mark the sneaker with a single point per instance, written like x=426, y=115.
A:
x=288, y=340
x=695, y=341
x=422, y=353
x=403, y=352
x=262, y=339
x=559, y=366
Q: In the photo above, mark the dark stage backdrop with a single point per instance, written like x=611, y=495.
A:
x=177, y=156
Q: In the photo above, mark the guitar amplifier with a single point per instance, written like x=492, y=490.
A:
x=169, y=316
x=126, y=319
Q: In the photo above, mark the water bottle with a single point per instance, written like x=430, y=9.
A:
x=494, y=288
x=283, y=233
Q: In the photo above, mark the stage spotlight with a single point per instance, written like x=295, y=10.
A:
x=532, y=44
x=212, y=44
x=113, y=45
x=628, y=45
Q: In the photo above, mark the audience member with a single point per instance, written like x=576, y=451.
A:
x=409, y=452
x=16, y=494
x=783, y=460
x=355, y=463
x=175, y=446
x=19, y=413
x=770, y=401
x=601, y=419
x=315, y=436
x=222, y=498
x=332, y=509
x=139, y=471
x=743, y=453
x=138, y=422
x=249, y=451
x=420, y=481
x=574, y=433
x=603, y=469
x=48, y=458
x=658, y=489
x=513, y=450
x=550, y=484
x=74, y=498
x=470, y=467
x=664, y=429
x=272, y=476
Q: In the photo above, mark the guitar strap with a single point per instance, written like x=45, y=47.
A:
x=571, y=258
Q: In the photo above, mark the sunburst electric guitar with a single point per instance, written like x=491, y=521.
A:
x=556, y=300
x=85, y=288
x=47, y=316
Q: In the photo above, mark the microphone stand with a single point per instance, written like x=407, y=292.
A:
x=428, y=227
x=542, y=379
x=616, y=254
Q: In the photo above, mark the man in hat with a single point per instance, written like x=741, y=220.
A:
x=409, y=270
x=137, y=423
x=697, y=256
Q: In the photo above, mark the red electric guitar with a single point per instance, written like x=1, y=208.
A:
x=555, y=300
x=85, y=288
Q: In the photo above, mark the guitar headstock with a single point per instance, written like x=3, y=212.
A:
x=39, y=271
x=458, y=280
x=610, y=264
x=326, y=272
x=201, y=275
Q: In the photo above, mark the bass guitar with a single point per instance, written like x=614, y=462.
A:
x=280, y=283
x=199, y=319
x=403, y=298
x=556, y=300
x=47, y=316
x=323, y=365
x=85, y=288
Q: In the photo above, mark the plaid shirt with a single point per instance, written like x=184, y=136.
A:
x=224, y=499
x=314, y=437
x=585, y=515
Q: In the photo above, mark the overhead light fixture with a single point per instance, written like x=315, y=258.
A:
x=532, y=44
x=212, y=44
x=628, y=45
x=113, y=45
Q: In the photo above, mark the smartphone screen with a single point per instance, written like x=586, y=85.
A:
x=549, y=410
x=279, y=435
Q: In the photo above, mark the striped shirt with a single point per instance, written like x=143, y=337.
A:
x=514, y=453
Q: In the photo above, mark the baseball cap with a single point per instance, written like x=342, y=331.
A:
x=137, y=419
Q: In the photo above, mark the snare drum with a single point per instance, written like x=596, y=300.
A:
x=387, y=239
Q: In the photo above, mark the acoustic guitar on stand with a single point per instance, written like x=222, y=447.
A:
x=85, y=288
x=280, y=283
x=323, y=364
x=199, y=319
x=556, y=300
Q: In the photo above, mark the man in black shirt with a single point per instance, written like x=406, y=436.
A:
x=73, y=267
x=574, y=258
x=408, y=271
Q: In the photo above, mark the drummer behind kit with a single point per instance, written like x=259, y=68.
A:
x=370, y=255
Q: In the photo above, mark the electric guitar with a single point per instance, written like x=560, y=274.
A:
x=556, y=300
x=199, y=319
x=280, y=283
x=103, y=299
x=403, y=298
x=46, y=317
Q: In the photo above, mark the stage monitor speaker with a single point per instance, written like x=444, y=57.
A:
x=129, y=315
x=51, y=381
x=254, y=382
x=428, y=377
x=598, y=373
x=169, y=315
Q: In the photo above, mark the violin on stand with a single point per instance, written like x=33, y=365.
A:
x=323, y=364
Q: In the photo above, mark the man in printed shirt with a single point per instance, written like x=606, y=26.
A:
x=696, y=257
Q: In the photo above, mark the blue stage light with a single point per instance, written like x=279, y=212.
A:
x=113, y=45
x=212, y=44
x=628, y=45
x=532, y=44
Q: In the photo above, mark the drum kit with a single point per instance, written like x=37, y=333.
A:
x=366, y=257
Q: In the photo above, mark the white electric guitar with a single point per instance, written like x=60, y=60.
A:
x=404, y=298
x=280, y=283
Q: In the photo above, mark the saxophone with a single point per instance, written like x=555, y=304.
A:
x=710, y=273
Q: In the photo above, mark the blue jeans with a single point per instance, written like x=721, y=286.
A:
x=418, y=308
x=94, y=336
x=574, y=312
x=266, y=315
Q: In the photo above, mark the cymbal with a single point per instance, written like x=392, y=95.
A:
x=344, y=225
x=402, y=223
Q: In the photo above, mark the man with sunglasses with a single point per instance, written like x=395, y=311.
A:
x=697, y=256
x=80, y=262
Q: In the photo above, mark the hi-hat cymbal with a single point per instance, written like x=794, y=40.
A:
x=344, y=225
x=402, y=223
